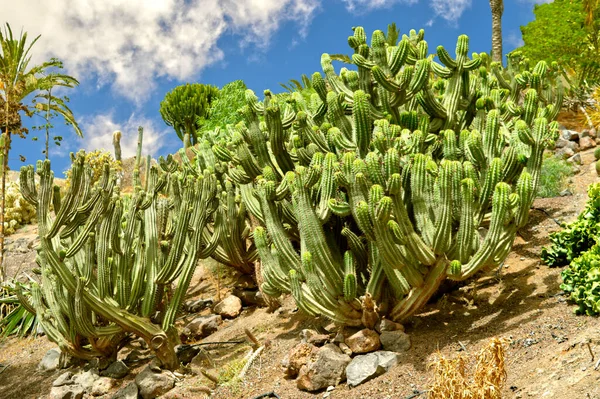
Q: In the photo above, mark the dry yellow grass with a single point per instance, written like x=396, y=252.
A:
x=453, y=381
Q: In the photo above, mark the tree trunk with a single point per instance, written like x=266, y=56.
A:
x=497, y=7
x=3, y=203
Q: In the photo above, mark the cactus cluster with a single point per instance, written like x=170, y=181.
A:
x=392, y=177
x=109, y=262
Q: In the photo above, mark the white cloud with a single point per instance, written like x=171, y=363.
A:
x=450, y=10
x=359, y=6
x=514, y=40
x=98, y=132
x=129, y=43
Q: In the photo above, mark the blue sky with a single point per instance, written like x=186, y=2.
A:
x=128, y=53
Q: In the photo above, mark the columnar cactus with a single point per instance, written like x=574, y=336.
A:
x=374, y=192
x=107, y=263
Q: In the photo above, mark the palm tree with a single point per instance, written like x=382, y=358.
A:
x=18, y=81
x=497, y=7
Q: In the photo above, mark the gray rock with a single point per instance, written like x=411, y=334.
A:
x=364, y=341
x=130, y=391
x=586, y=143
x=327, y=369
x=50, y=361
x=197, y=305
x=388, y=325
x=570, y=134
x=202, y=326
x=575, y=159
x=116, y=369
x=250, y=297
x=67, y=392
x=565, y=153
x=573, y=145
x=365, y=367
x=86, y=379
x=63, y=379
x=101, y=386
x=151, y=384
x=229, y=307
x=395, y=341
x=566, y=193
x=561, y=142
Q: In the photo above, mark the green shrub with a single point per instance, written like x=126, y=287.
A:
x=554, y=177
x=581, y=281
x=576, y=237
x=597, y=153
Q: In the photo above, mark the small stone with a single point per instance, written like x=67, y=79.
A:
x=151, y=384
x=63, y=379
x=319, y=339
x=197, y=305
x=566, y=193
x=561, y=143
x=101, y=386
x=573, y=146
x=364, y=341
x=388, y=325
x=297, y=357
x=50, y=361
x=330, y=388
x=135, y=356
x=117, y=370
x=250, y=297
x=328, y=368
x=575, y=159
x=130, y=391
x=202, y=326
x=586, y=143
x=307, y=334
x=67, y=392
x=339, y=338
x=229, y=307
x=345, y=348
x=565, y=153
x=365, y=367
x=395, y=341
x=86, y=379
x=570, y=134
x=584, y=133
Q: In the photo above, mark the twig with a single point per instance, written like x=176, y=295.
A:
x=417, y=393
x=464, y=348
x=249, y=362
x=597, y=365
x=547, y=214
x=5, y=367
x=218, y=343
x=267, y=395
x=252, y=338
x=590, y=349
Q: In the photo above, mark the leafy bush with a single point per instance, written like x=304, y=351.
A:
x=224, y=110
x=554, y=177
x=576, y=237
x=18, y=212
x=581, y=280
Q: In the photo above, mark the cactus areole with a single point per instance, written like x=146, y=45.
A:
x=393, y=177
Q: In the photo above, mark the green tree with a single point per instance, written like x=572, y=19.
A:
x=19, y=80
x=565, y=31
x=186, y=108
x=223, y=110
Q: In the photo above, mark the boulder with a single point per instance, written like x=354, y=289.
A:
x=101, y=386
x=297, y=357
x=86, y=379
x=364, y=341
x=365, y=367
x=50, y=361
x=327, y=369
x=116, y=369
x=64, y=379
x=229, y=307
x=250, y=297
x=586, y=143
x=575, y=159
x=395, y=341
x=151, y=384
x=388, y=325
x=202, y=326
x=72, y=391
x=197, y=305
x=130, y=391
x=570, y=134
x=565, y=153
